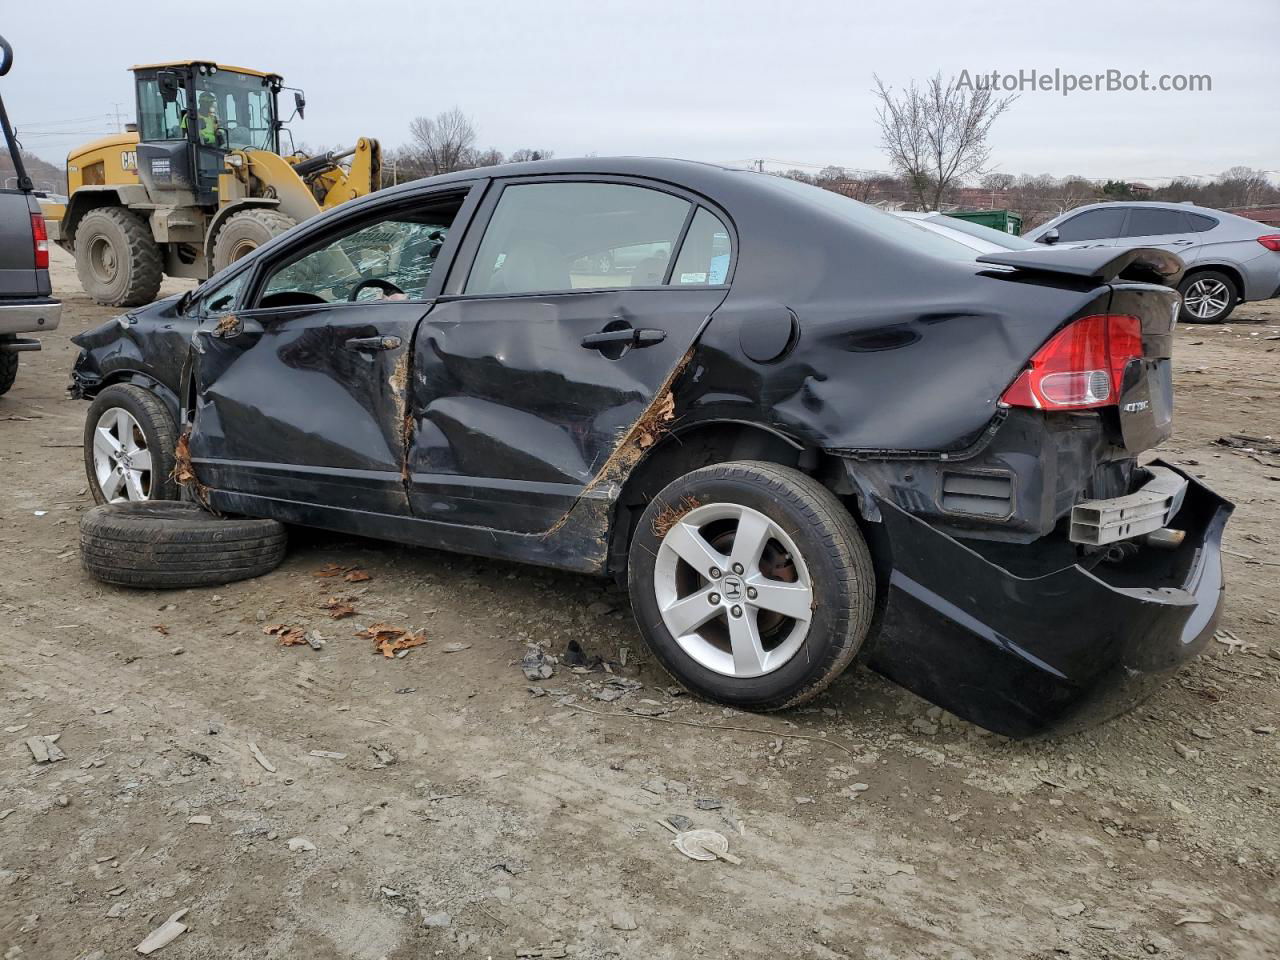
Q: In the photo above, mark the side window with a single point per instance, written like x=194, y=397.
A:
x=571, y=236
x=160, y=119
x=219, y=300
x=704, y=257
x=224, y=297
x=1092, y=225
x=1200, y=223
x=393, y=257
x=1146, y=222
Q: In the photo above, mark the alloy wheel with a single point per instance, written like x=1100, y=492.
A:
x=1206, y=298
x=121, y=460
x=733, y=590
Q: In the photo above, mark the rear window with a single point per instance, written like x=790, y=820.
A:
x=704, y=258
x=1145, y=222
x=546, y=237
x=884, y=224
x=1200, y=223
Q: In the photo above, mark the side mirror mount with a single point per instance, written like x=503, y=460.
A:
x=169, y=85
x=1050, y=236
x=300, y=102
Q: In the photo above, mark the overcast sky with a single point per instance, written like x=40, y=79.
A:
x=717, y=80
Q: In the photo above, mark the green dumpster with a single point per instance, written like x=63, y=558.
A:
x=1005, y=220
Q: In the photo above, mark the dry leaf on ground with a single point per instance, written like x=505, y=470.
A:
x=356, y=576
x=338, y=607
x=161, y=629
x=390, y=640
x=287, y=635
x=330, y=570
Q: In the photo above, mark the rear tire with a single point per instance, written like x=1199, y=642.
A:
x=244, y=232
x=117, y=259
x=736, y=645
x=1208, y=296
x=8, y=371
x=168, y=545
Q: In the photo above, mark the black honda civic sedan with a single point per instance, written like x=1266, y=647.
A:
x=802, y=431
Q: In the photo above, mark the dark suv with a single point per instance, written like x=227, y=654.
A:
x=25, y=302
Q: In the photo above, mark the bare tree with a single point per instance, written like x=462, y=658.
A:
x=526, y=153
x=1243, y=186
x=443, y=143
x=936, y=136
x=486, y=158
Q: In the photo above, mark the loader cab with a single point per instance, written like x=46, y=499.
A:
x=190, y=114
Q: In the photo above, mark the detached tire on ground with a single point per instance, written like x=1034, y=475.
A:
x=168, y=545
x=751, y=584
x=245, y=232
x=117, y=259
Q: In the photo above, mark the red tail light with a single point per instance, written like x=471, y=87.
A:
x=1271, y=241
x=40, y=237
x=1080, y=367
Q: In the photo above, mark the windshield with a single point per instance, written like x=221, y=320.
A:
x=870, y=218
x=244, y=107
x=989, y=234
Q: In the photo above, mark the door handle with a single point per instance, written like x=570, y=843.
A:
x=1183, y=243
x=631, y=337
x=373, y=343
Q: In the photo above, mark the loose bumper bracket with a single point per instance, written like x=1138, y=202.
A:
x=1099, y=522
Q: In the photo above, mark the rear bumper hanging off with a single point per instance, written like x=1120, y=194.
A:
x=1026, y=655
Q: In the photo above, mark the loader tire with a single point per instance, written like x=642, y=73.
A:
x=117, y=259
x=158, y=544
x=245, y=232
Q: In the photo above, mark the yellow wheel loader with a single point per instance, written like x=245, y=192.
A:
x=196, y=183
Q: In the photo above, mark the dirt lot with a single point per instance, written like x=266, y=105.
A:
x=466, y=816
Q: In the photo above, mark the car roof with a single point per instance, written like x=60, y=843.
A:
x=1153, y=204
x=685, y=172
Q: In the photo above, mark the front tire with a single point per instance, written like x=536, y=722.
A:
x=1208, y=296
x=129, y=443
x=245, y=232
x=117, y=259
x=751, y=584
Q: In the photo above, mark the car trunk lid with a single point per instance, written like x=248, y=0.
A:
x=1145, y=401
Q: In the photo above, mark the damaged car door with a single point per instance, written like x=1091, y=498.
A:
x=567, y=318
x=300, y=394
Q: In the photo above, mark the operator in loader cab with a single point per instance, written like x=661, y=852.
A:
x=210, y=129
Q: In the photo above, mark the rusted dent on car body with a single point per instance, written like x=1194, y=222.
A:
x=671, y=513
x=184, y=472
x=644, y=433
x=399, y=383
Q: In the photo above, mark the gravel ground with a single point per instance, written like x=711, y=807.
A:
x=435, y=806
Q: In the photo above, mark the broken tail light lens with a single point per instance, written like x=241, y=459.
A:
x=1271, y=241
x=40, y=238
x=1080, y=367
